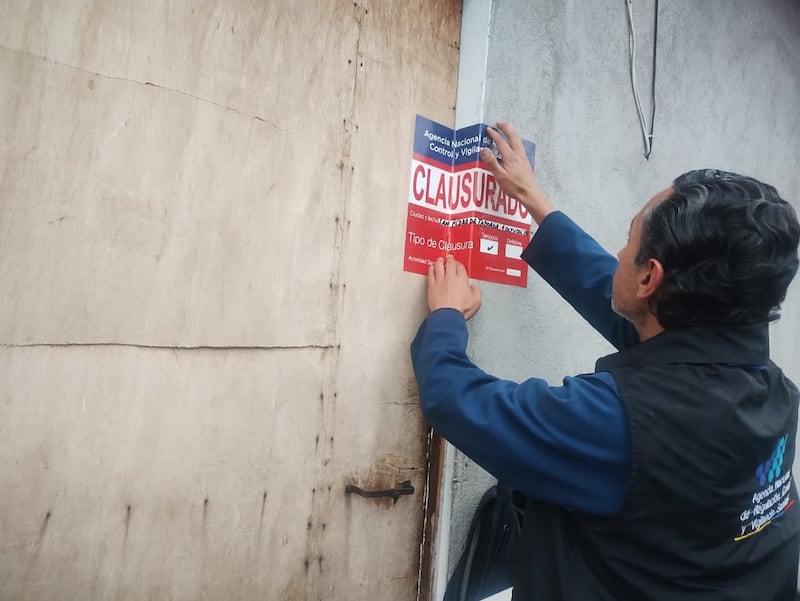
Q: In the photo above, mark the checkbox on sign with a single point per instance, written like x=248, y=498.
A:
x=513, y=251
x=489, y=247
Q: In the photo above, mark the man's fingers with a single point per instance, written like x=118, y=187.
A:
x=450, y=266
x=475, y=301
x=449, y=287
x=500, y=142
x=438, y=269
x=487, y=156
x=476, y=293
x=514, y=141
x=455, y=268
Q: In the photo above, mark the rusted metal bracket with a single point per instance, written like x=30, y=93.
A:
x=404, y=488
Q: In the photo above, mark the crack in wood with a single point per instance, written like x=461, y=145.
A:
x=312, y=140
x=169, y=347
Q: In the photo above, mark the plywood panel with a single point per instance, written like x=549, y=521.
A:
x=140, y=474
x=201, y=225
x=289, y=62
x=406, y=68
x=138, y=209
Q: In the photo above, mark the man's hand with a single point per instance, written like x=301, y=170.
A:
x=515, y=176
x=449, y=288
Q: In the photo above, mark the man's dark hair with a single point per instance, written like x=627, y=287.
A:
x=728, y=244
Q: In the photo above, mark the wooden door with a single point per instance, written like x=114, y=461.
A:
x=204, y=325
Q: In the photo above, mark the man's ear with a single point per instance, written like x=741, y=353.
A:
x=651, y=276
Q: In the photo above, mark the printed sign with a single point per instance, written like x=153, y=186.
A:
x=455, y=207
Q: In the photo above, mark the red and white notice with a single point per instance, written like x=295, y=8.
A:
x=455, y=207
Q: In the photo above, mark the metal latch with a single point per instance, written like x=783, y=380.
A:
x=404, y=488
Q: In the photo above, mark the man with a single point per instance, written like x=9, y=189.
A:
x=666, y=474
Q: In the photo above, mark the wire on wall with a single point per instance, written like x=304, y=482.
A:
x=647, y=131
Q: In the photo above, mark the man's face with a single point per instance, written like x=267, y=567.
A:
x=624, y=299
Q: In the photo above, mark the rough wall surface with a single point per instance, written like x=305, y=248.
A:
x=728, y=92
x=204, y=325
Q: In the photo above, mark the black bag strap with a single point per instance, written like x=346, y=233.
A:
x=498, y=520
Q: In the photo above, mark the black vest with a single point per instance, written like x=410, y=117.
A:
x=711, y=508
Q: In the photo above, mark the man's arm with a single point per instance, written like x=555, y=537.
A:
x=580, y=270
x=561, y=252
x=565, y=445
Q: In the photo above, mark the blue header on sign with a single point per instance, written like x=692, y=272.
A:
x=433, y=140
x=468, y=143
x=455, y=148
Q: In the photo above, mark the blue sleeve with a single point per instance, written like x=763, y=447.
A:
x=566, y=445
x=580, y=270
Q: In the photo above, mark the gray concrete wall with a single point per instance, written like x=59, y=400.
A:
x=728, y=92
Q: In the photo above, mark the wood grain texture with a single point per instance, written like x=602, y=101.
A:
x=204, y=325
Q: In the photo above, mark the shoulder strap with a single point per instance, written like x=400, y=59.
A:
x=486, y=565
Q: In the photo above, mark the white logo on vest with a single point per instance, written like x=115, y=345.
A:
x=771, y=500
